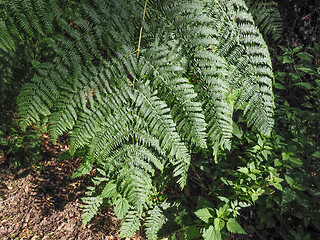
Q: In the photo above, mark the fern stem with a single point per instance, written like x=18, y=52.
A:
x=143, y=19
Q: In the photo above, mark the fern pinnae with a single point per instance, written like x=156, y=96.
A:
x=28, y=112
x=73, y=59
x=84, y=168
x=91, y=207
x=134, y=183
x=130, y=224
x=15, y=7
x=64, y=118
x=87, y=131
x=179, y=93
x=141, y=157
x=212, y=69
x=7, y=42
x=249, y=39
x=154, y=222
x=267, y=17
x=156, y=114
x=32, y=17
x=263, y=70
x=46, y=14
x=110, y=135
x=87, y=126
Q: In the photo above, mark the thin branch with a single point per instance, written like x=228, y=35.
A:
x=140, y=35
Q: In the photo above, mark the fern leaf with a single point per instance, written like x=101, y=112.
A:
x=267, y=17
x=178, y=93
x=155, y=113
x=211, y=71
x=259, y=116
x=31, y=106
x=130, y=224
x=84, y=168
x=136, y=186
x=91, y=207
x=6, y=40
x=154, y=222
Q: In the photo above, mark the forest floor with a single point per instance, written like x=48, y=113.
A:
x=44, y=203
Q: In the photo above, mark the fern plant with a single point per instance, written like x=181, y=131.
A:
x=267, y=17
x=140, y=86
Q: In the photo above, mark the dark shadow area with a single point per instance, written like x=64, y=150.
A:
x=54, y=188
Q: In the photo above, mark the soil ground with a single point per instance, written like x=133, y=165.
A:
x=45, y=203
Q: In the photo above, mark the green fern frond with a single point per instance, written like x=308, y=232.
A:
x=88, y=124
x=267, y=17
x=167, y=66
x=93, y=199
x=91, y=208
x=143, y=158
x=121, y=207
x=130, y=224
x=154, y=222
x=84, y=168
x=110, y=190
x=160, y=123
x=136, y=185
x=261, y=115
x=33, y=105
x=7, y=42
x=210, y=70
